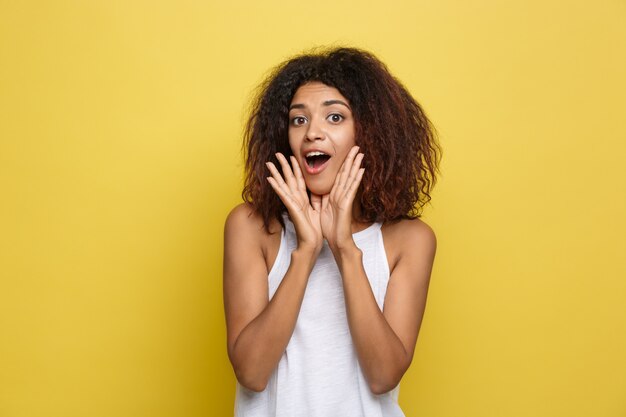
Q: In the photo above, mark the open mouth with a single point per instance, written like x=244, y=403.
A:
x=316, y=159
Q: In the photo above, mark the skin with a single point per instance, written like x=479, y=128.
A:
x=259, y=329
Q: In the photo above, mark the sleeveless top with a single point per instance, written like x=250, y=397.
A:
x=319, y=373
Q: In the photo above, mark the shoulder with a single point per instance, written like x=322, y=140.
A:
x=244, y=220
x=243, y=215
x=412, y=231
x=245, y=235
x=410, y=239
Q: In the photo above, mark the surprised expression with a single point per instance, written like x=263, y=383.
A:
x=321, y=133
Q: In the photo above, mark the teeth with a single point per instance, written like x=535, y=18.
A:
x=314, y=153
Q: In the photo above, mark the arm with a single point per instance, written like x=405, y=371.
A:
x=258, y=330
x=385, y=341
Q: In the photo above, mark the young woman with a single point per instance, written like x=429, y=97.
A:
x=326, y=264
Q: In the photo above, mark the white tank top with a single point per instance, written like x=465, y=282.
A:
x=319, y=373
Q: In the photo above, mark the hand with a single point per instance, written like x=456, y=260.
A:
x=336, y=212
x=292, y=192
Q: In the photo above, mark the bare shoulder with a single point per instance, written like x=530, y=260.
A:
x=411, y=231
x=243, y=218
x=244, y=232
x=412, y=238
x=413, y=243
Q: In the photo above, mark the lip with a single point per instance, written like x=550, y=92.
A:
x=317, y=170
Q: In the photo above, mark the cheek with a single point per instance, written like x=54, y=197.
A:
x=346, y=140
x=346, y=147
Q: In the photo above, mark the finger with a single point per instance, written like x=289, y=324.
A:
x=345, y=167
x=285, y=193
x=277, y=177
x=344, y=180
x=356, y=165
x=354, y=170
x=298, y=173
x=336, y=192
x=325, y=201
x=316, y=201
x=351, y=194
x=335, y=188
x=285, y=197
x=287, y=173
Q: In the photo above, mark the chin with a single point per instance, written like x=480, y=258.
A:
x=319, y=189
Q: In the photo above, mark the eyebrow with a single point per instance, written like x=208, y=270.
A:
x=326, y=103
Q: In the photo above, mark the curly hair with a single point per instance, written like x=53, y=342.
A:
x=402, y=154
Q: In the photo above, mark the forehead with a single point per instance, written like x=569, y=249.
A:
x=316, y=91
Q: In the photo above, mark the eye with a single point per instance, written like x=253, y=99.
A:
x=298, y=120
x=335, y=117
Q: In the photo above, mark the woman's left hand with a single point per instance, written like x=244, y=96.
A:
x=336, y=215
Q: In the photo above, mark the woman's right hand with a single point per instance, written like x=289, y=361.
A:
x=304, y=214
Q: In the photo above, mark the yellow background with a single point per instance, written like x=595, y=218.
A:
x=120, y=129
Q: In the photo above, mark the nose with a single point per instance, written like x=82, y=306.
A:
x=314, y=131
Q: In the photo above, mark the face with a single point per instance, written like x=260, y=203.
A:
x=321, y=133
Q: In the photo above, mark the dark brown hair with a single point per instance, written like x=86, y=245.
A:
x=399, y=142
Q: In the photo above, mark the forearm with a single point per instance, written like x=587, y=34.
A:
x=381, y=354
x=261, y=344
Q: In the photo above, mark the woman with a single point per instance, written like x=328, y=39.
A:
x=326, y=263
